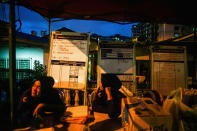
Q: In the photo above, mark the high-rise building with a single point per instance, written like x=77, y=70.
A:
x=160, y=32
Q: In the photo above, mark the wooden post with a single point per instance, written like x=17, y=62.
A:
x=12, y=61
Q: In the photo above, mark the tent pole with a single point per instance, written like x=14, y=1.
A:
x=195, y=32
x=49, y=30
x=12, y=61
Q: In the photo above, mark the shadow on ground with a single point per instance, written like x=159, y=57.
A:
x=107, y=125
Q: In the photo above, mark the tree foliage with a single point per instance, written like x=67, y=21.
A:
x=39, y=69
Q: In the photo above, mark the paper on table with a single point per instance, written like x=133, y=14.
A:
x=78, y=111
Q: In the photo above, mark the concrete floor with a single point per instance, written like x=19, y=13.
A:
x=101, y=123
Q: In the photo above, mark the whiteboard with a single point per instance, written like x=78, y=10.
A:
x=68, y=59
x=168, y=72
x=117, y=59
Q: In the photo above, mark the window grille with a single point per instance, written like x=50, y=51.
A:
x=23, y=68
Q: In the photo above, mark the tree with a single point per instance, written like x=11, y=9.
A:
x=39, y=69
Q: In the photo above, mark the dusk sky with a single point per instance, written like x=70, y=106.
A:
x=33, y=21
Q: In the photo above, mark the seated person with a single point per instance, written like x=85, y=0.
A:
x=107, y=98
x=38, y=100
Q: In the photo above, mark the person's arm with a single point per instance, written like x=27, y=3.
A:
x=51, y=104
x=108, y=93
x=24, y=99
x=49, y=108
x=35, y=113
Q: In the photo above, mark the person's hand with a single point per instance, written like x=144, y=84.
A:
x=36, y=109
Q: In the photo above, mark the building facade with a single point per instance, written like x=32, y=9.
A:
x=29, y=48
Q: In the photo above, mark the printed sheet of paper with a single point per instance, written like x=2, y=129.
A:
x=78, y=111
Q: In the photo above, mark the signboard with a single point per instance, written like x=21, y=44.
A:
x=117, y=58
x=68, y=59
x=168, y=68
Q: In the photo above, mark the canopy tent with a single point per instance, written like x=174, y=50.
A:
x=154, y=11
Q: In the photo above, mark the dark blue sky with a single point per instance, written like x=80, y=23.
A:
x=33, y=21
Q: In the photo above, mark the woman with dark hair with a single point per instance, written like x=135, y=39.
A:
x=39, y=101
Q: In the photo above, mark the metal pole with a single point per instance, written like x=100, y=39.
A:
x=195, y=26
x=12, y=59
x=49, y=37
x=49, y=31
